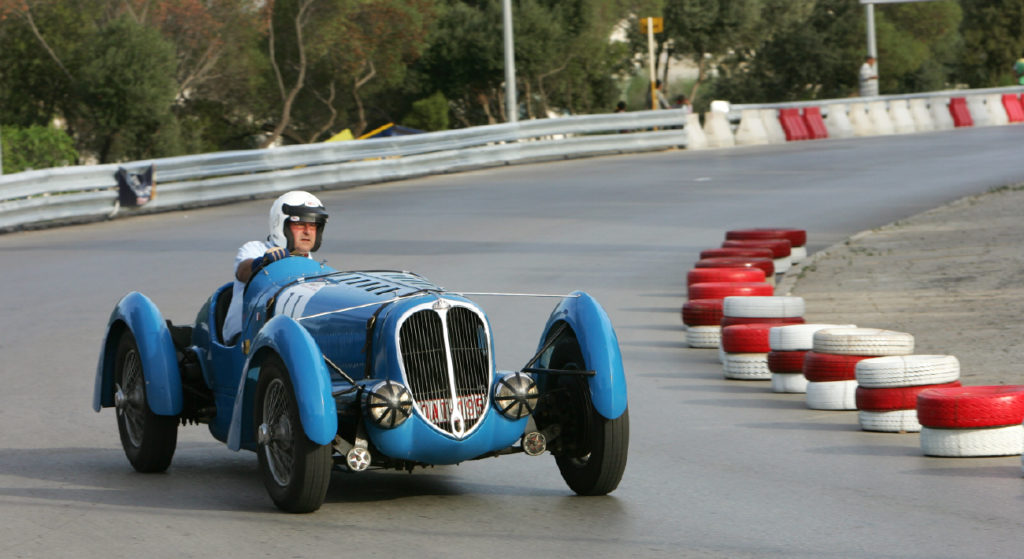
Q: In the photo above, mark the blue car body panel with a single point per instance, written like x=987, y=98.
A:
x=600, y=348
x=156, y=351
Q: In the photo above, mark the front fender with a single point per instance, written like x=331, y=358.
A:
x=600, y=348
x=285, y=337
x=135, y=312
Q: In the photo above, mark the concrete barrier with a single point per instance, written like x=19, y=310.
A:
x=902, y=121
x=751, y=129
x=941, y=117
x=838, y=122
x=772, y=126
x=878, y=111
x=695, y=138
x=996, y=110
x=862, y=123
x=979, y=111
x=922, y=116
x=717, y=130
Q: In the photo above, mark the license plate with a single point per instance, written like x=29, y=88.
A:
x=440, y=411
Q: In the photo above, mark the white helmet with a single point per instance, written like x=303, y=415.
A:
x=296, y=205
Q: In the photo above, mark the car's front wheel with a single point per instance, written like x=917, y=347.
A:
x=296, y=471
x=148, y=439
x=593, y=456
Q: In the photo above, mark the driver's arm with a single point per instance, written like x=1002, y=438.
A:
x=250, y=266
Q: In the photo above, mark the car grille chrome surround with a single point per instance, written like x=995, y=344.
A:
x=445, y=358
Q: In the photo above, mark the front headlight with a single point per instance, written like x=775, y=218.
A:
x=388, y=404
x=515, y=395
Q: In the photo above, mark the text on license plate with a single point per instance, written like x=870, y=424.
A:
x=438, y=411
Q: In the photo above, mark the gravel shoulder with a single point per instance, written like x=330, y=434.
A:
x=952, y=276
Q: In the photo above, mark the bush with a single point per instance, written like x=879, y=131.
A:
x=36, y=147
x=430, y=114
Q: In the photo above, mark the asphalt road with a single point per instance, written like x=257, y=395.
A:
x=716, y=468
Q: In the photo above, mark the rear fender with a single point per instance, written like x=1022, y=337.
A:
x=600, y=349
x=285, y=337
x=135, y=312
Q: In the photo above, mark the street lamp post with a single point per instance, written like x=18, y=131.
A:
x=511, y=104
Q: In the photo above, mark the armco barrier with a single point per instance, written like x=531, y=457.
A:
x=85, y=193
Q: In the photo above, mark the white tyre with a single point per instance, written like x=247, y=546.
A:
x=797, y=337
x=707, y=337
x=863, y=341
x=798, y=253
x=994, y=441
x=789, y=383
x=782, y=265
x=895, y=421
x=764, y=306
x=832, y=395
x=907, y=370
x=746, y=366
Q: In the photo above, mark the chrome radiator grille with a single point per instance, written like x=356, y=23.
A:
x=447, y=366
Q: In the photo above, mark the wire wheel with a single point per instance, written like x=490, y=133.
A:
x=149, y=440
x=296, y=471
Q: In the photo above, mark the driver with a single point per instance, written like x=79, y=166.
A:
x=297, y=221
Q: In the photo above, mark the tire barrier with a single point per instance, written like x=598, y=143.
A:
x=774, y=321
x=746, y=366
x=703, y=275
x=702, y=312
x=747, y=323
x=789, y=346
x=797, y=238
x=972, y=420
x=766, y=265
x=703, y=337
x=863, y=341
x=892, y=409
x=781, y=250
x=723, y=289
x=764, y=307
x=746, y=338
x=907, y=370
x=834, y=357
x=752, y=252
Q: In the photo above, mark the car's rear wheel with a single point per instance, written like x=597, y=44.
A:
x=296, y=471
x=593, y=456
x=148, y=439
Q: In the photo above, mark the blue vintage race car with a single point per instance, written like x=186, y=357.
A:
x=362, y=369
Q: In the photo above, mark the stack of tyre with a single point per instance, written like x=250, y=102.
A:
x=706, y=289
x=972, y=420
x=746, y=331
x=797, y=242
x=887, y=389
x=830, y=366
x=788, y=346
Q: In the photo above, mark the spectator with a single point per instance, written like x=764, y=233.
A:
x=683, y=104
x=869, y=77
x=1018, y=69
x=620, y=107
x=659, y=93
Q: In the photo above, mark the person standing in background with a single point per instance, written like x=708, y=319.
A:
x=1018, y=69
x=869, y=77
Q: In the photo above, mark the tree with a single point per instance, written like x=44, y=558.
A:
x=993, y=35
x=36, y=147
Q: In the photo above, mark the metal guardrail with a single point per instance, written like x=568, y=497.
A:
x=88, y=193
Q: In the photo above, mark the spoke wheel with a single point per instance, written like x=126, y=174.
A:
x=296, y=471
x=593, y=458
x=148, y=439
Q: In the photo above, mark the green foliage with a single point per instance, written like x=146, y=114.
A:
x=428, y=114
x=36, y=147
x=993, y=36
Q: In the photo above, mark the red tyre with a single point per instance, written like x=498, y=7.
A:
x=723, y=289
x=827, y=367
x=971, y=407
x=737, y=251
x=704, y=275
x=776, y=321
x=746, y=338
x=702, y=312
x=765, y=264
x=786, y=361
x=798, y=237
x=781, y=248
x=896, y=398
